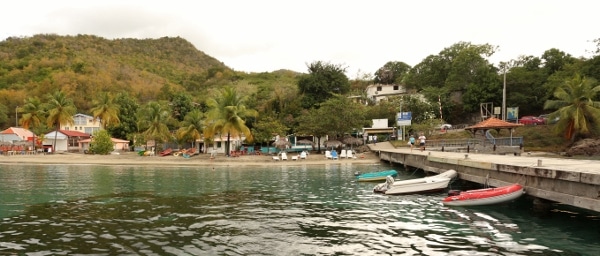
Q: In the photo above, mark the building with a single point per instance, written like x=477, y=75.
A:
x=65, y=140
x=379, y=129
x=118, y=144
x=377, y=92
x=83, y=123
x=15, y=134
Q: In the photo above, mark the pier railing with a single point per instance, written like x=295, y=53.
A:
x=472, y=143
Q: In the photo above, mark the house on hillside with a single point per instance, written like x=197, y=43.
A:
x=377, y=92
x=83, y=123
x=65, y=140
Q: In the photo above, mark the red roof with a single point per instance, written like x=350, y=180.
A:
x=20, y=132
x=74, y=133
x=492, y=123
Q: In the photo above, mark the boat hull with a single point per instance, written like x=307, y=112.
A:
x=485, y=196
x=421, y=185
x=426, y=186
x=376, y=176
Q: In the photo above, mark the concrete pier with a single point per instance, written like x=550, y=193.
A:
x=568, y=181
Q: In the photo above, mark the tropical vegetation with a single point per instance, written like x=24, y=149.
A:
x=167, y=90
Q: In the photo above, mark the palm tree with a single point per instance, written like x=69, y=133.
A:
x=60, y=110
x=106, y=109
x=153, y=120
x=579, y=114
x=33, y=114
x=192, y=125
x=227, y=115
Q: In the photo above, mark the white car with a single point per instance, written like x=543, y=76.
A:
x=446, y=126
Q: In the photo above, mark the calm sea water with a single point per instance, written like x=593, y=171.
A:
x=273, y=210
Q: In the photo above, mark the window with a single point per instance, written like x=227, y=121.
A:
x=395, y=87
x=80, y=120
x=378, y=88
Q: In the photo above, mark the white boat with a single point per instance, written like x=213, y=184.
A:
x=421, y=185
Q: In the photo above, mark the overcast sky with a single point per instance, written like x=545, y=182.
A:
x=263, y=36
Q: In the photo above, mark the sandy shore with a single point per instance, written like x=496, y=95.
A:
x=131, y=158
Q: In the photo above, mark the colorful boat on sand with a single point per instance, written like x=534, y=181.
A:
x=413, y=186
x=483, y=196
x=376, y=176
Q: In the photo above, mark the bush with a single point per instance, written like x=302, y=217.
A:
x=101, y=143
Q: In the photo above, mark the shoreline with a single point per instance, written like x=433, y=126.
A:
x=133, y=159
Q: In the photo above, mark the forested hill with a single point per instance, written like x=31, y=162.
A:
x=83, y=65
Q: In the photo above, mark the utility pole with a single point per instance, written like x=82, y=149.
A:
x=504, y=97
x=17, y=116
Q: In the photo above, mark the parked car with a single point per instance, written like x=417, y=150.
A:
x=446, y=126
x=531, y=120
x=546, y=121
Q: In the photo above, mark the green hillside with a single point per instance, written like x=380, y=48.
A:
x=84, y=65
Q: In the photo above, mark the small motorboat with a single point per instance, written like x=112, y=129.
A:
x=376, y=176
x=421, y=185
x=485, y=196
x=166, y=152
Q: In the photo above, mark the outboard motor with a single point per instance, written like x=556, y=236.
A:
x=389, y=181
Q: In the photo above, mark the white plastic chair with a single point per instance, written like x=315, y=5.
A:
x=343, y=154
x=303, y=155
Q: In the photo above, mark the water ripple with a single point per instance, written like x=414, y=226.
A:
x=287, y=211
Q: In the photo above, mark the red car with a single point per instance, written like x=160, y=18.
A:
x=531, y=120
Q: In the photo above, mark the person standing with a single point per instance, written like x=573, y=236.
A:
x=411, y=140
x=422, y=142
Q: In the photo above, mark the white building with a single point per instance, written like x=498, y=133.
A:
x=377, y=92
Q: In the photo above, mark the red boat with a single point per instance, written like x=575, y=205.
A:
x=166, y=152
x=483, y=196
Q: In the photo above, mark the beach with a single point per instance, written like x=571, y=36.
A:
x=132, y=158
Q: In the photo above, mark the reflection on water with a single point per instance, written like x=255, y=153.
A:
x=279, y=210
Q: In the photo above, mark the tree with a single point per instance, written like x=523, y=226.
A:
x=226, y=116
x=106, y=109
x=266, y=127
x=525, y=84
x=182, y=104
x=391, y=73
x=3, y=114
x=153, y=120
x=311, y=122
x=33, y=113
x=342, y=116
x=578, y=111
x=555, y=60
x=101, y=143
x=128, y=108
x=192, y=126
x=462, y=71
x=322, y=81
x=60, y=111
